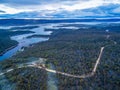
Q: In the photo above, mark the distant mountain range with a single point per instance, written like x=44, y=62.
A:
x=10, y=22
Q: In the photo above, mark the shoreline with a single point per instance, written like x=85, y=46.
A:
x=38, y=36
x=2, y=53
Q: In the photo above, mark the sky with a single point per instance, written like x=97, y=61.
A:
x=59, y=8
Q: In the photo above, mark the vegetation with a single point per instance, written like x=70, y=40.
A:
x=28, y=79
x=72, y=51
x=37, y=36
x=5, y=42
x=24, y=27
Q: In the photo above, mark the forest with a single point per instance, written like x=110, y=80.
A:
x=75, y=52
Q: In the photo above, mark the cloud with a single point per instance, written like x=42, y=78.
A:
x=20, y=2
x=55, y=7
x=116, y=10
x=1, y=11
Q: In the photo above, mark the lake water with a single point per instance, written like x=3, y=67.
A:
x=25, y=42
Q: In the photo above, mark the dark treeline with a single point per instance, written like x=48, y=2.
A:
x=38, y=35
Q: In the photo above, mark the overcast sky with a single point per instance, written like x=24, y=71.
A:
x=50, y=7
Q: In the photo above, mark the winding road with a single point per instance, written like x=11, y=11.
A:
x=63, y=73
x=76, y=76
